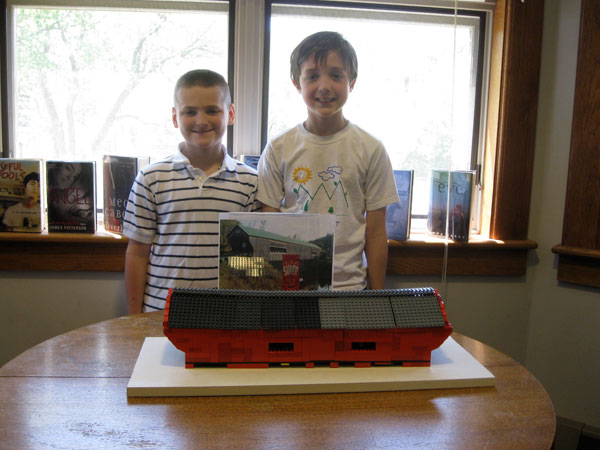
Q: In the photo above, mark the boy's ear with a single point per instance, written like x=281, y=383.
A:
x=231, y=117
x=174, y=116
x=296, y=85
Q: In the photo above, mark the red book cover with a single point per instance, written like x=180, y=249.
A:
x=118, y=175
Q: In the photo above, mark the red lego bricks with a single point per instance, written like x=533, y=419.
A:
x=257, y=329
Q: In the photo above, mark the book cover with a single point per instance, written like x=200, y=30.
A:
x=71, y=187
x=251, y=160
x=276, y=251
x=460, y=190
x=118, y=175
x=20, y=195
x=397, y=221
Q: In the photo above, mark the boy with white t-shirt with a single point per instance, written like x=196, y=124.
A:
x=329, y=165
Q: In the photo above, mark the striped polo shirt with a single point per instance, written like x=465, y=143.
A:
x=175, y=207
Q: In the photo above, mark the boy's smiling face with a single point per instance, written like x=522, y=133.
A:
x=32, y=190
x=202, y=116
x=325, y=87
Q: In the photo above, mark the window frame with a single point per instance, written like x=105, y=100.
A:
x=482, y=13
x=510, y=137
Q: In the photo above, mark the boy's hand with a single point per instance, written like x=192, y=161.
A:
x=136, y=266
x=266, y=208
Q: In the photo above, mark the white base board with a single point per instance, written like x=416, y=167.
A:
x=160, y=372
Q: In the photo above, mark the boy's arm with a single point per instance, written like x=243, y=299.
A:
x=136, y=266
x=376, y=248
x=271, y=187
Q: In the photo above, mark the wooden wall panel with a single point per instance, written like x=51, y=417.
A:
x=579, y=252
x=581, y=226
x=517, y=119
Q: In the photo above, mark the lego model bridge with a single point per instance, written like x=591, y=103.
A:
x=248, y=329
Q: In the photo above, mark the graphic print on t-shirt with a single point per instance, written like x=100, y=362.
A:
x=329, y=177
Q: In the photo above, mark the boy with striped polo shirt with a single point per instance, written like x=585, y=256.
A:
x=172, y=214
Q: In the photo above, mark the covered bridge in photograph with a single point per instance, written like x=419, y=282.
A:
x=248, y=241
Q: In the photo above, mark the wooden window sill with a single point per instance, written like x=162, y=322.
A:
x=102, y=251
x=105, y=252
x=578, y=265
x=423, y=255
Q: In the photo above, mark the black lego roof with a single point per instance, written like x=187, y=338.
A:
x=278, y=310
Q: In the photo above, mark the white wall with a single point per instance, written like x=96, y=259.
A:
x=552, y=328
x=35, y=306
x=564, y=333
x=494, y=310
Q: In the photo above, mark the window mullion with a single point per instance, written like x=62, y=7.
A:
x=248, y=73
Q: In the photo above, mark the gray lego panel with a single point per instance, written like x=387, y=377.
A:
x=332, y=313
x=368, y=313
x=417, y=312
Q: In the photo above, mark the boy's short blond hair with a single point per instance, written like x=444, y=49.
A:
x=321, y=44
x=203, y=77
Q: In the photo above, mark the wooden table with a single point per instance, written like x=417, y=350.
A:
x=70, y=392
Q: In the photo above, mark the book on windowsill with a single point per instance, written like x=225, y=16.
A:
x=20, y=195
x=276, y=251
x=71, y=202
x=397, y=221
x=118, y=175
x=251, y=160
x=459, y=204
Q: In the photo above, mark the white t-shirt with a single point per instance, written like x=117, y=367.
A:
x=345, y=174
x=22, y=217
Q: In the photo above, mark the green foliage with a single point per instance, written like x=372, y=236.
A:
x=61, y=55
x=225, y=228
x=325, y=243
x=432, y=148
x=44, y=34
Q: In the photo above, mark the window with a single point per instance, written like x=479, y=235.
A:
x=510, y=137
x=281, y=346
x=364, y=346
x=419, y=81
x=90, y=82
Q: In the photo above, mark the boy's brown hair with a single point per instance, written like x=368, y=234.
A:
x=320, y=44
x=206, y=78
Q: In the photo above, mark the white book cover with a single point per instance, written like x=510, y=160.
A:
x=21, y=194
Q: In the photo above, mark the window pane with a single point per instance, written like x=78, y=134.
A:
x=93, y=82
x=404, y=91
